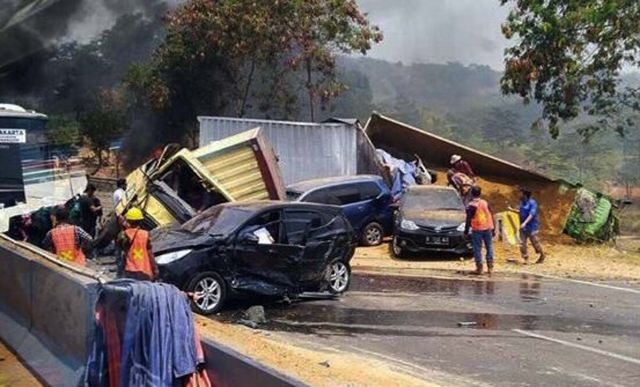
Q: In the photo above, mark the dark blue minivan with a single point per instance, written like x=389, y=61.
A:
x=365, y=200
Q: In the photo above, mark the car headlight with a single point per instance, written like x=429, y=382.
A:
x=164, y=259
x=461, y=227
x=408, y=225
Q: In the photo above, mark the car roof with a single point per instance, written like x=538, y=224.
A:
x=259, y=205
x=429, y=188
x=308, y=185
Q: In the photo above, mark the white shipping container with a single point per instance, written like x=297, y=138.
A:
x=305, y=150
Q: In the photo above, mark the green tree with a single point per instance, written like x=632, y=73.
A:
x=568, y=56
x=228, y=56
x=103, y=124
x=63, y=131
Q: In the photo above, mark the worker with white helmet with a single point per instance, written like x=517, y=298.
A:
x=460, y=165
x=139, y=262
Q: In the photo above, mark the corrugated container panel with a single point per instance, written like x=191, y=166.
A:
x=238, y=171
x=233, y=163
x=305, y=150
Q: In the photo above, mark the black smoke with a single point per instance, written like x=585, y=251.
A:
x=30, y=28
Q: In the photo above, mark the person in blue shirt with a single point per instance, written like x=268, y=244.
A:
x=529, y=226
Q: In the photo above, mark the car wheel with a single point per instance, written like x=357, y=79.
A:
x=397, y=250
x=339, y=277
x=372, y=234
x=210, y=293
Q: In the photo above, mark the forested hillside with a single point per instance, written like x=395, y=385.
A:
x=464, y=103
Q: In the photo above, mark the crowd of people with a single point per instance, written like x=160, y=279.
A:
x=70, y=240
x=480, y=224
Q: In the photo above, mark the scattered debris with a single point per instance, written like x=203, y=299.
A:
x=318, y=296
x=248, y=323
x=255, y=314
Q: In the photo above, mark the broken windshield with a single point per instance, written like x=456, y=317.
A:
x=432, y=200
x=218, y=220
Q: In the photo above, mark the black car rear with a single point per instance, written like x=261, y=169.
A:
x=430, y=218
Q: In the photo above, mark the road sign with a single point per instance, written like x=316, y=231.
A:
x=13, y=136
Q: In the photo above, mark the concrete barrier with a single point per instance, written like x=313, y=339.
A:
x=227, y=367
x=45, y=314
x=46, y=318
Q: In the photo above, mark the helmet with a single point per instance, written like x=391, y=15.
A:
x=455, y=159
x=134, y=214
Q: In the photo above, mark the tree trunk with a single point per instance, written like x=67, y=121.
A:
x=99, y=161
x=245, y=94
x=310, y=90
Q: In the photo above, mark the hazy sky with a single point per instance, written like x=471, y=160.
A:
x=439, y=31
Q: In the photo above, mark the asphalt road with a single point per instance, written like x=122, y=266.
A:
x=508, y=331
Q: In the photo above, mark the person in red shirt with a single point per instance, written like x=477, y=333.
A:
x=459, y=165
x=480, y=221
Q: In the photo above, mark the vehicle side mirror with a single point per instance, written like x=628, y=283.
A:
x=249, y=238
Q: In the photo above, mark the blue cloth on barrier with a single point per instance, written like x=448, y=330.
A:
x=158, y=343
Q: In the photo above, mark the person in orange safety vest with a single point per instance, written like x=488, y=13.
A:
x=66, y=240
x=139, y=262
x=480, y=220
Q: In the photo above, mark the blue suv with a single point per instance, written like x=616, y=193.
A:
x=365, y=200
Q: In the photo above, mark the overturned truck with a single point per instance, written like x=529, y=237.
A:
x=565, y=207
x=174, y=187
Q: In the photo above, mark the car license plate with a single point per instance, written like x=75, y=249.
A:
x=435, y=240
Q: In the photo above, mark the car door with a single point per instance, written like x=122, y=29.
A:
x=381, y=203
x=357, y=210
x=262, y=251
x=309, y=228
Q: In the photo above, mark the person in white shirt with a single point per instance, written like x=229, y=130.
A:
x=120, y=192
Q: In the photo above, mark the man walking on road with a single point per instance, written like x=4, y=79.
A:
x=529, y=226
x=480, y=221
x=66, y=240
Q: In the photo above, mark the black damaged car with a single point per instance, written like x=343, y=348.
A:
x=430, y=218
x=266, y=248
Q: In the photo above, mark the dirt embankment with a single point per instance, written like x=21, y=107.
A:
x=555, y=199
x=565, y=259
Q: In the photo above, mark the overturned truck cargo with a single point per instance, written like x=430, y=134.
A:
x=173, y=188
x=562, y=204
x=305, y=150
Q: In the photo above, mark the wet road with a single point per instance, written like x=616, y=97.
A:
x=515, y=331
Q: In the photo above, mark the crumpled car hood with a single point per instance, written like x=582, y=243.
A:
x=435, y=218
x=165, y=239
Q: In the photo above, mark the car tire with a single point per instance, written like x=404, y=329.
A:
x=396, y=249
x=339, y=277
x=213, y=288
x=372, y=234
